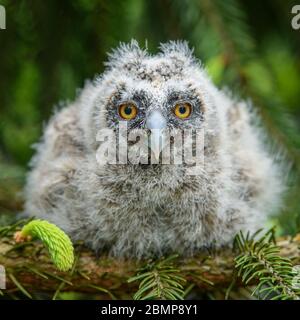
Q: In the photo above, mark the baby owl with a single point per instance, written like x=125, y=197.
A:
x=143, y=210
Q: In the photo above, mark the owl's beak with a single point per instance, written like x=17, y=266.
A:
x=156, y=123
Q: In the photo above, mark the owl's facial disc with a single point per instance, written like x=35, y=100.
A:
x=153, y=116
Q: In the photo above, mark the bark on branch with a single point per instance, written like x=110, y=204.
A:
x=29, y=265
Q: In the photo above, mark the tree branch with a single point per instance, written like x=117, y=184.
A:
x=29, y=265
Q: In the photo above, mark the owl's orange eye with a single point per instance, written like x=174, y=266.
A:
x=182, y=110
x=128, y=111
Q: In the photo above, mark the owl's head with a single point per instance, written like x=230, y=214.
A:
x=169, y=90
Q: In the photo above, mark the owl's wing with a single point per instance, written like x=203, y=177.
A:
x=55, y=163
x=258, y=169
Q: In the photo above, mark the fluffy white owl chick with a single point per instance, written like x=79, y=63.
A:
x=141, y=210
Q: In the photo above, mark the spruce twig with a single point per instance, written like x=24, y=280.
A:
x=159, y=280
x=58, y=243
x=259, y=260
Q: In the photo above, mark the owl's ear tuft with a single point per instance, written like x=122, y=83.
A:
x=124, y=54
x=178, y=50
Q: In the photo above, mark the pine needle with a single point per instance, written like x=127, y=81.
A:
x=33, y=270
x=19, y=286
x=103, y=290
x=59, y=278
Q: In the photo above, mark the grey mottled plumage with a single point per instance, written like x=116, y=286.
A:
x=138, y=210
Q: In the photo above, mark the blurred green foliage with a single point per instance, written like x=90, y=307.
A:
x=50, y=47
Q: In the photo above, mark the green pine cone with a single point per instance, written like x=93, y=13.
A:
x=58, y=243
